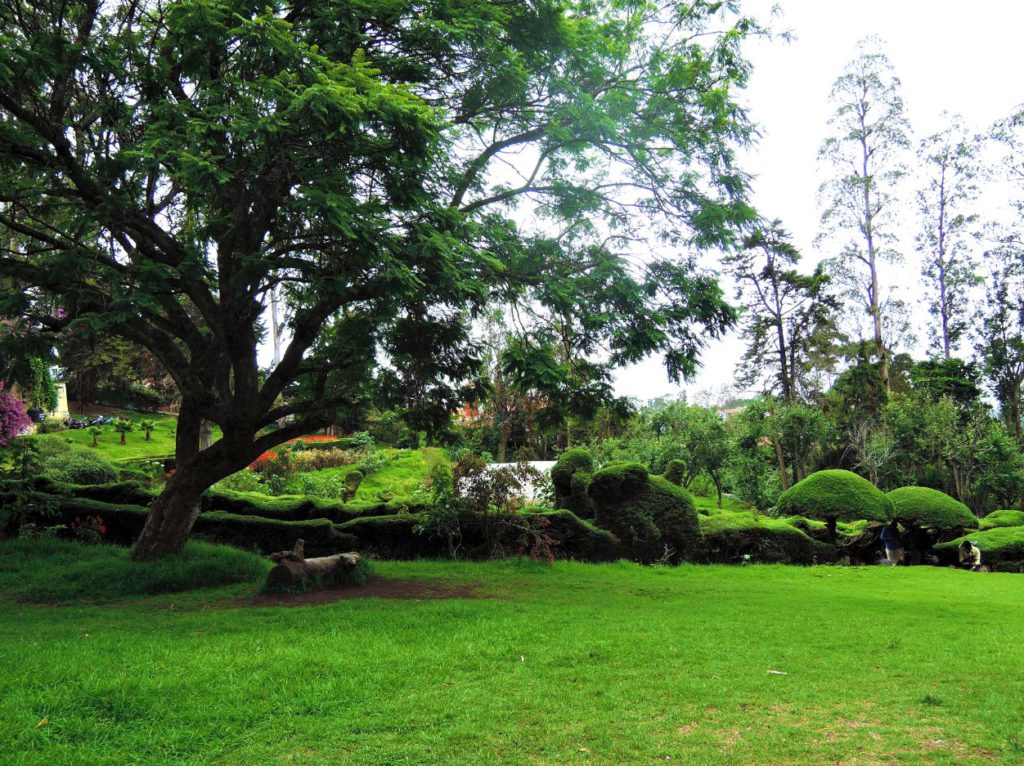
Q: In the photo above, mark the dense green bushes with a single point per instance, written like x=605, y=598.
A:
x=80, y=467
x=652, y=517
x=734, y=537
x=926, y=508
x=1003, y=518
x=835, y=495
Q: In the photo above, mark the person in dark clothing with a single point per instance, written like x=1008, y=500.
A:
x=891, y=542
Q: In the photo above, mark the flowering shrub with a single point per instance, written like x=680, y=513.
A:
x=13, y=420
x=318, y=459
x=89, y=530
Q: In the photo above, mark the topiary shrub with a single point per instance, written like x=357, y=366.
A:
x=1004, y=518
x=1002, y=548
x=80, y=467
x=741, y=537
x=571, y=477
x=926, y=508
x=650, y=515
x=352, y=481
x=835, y=495
x=675, y=472
x=579, y=539
x=920, y=509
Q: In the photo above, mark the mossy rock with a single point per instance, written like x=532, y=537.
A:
x=571, y=476
x=647, y=513
x=1001, y=548
x=835, y=495
x=1004, y=518
x=926, y=508
x=737, y=537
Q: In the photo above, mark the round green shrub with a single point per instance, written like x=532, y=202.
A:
x=80, y=467
x=650, y=515
x=926, y=508
x=1002, y=519
x=571, y=477
x=47, y=445
x=837, y=495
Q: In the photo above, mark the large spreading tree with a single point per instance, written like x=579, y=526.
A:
x=166, y=166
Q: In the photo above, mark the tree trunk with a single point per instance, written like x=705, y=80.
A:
x=293, y=569
x=830, y=523
x=781, y=459
x=174, y=512
x=718, y=486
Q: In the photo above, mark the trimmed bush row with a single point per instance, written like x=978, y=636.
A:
x=735, y=537
x=1001, y=548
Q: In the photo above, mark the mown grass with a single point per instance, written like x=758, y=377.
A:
x=46, y=569
x=577, y=664
x=161, y=443
x=404, y=472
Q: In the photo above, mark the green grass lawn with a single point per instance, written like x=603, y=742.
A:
x=577, y=664
x=161, y=443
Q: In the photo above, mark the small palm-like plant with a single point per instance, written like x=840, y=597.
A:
x=94, y=432
x=147, y=426
x=123, y=426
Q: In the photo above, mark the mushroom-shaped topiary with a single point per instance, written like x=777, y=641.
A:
x=650, y=515
x=921, y=508
x=835, y=495
x=1004, y=518
x=571, y=477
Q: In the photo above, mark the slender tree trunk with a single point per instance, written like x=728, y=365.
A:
x=781, y=459
x=718, y=486
x=174, y=512
x=875, y=306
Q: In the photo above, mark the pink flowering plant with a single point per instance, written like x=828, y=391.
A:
x=13, y=420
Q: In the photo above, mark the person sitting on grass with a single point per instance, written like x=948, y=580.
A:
x=970, y=556
x=891, y=541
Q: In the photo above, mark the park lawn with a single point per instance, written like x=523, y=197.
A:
x=577, y=664
x=160, y=445
x=405, y=471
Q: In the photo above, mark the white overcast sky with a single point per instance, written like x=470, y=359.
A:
x=952, y=56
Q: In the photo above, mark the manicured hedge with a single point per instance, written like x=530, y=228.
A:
x=321, y=537
x=647, y=513
x=728, y=537
x=300, y=507
x=131, y=492
x=1001, y=548
x=926, y=508
x=571, y=476
x=837, y=495
x=283, y=507
x=1003, y=518
x=579, y=539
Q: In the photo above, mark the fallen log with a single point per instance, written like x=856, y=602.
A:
x=294, y=570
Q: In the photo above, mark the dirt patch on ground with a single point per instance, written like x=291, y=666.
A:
x=378, y=587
